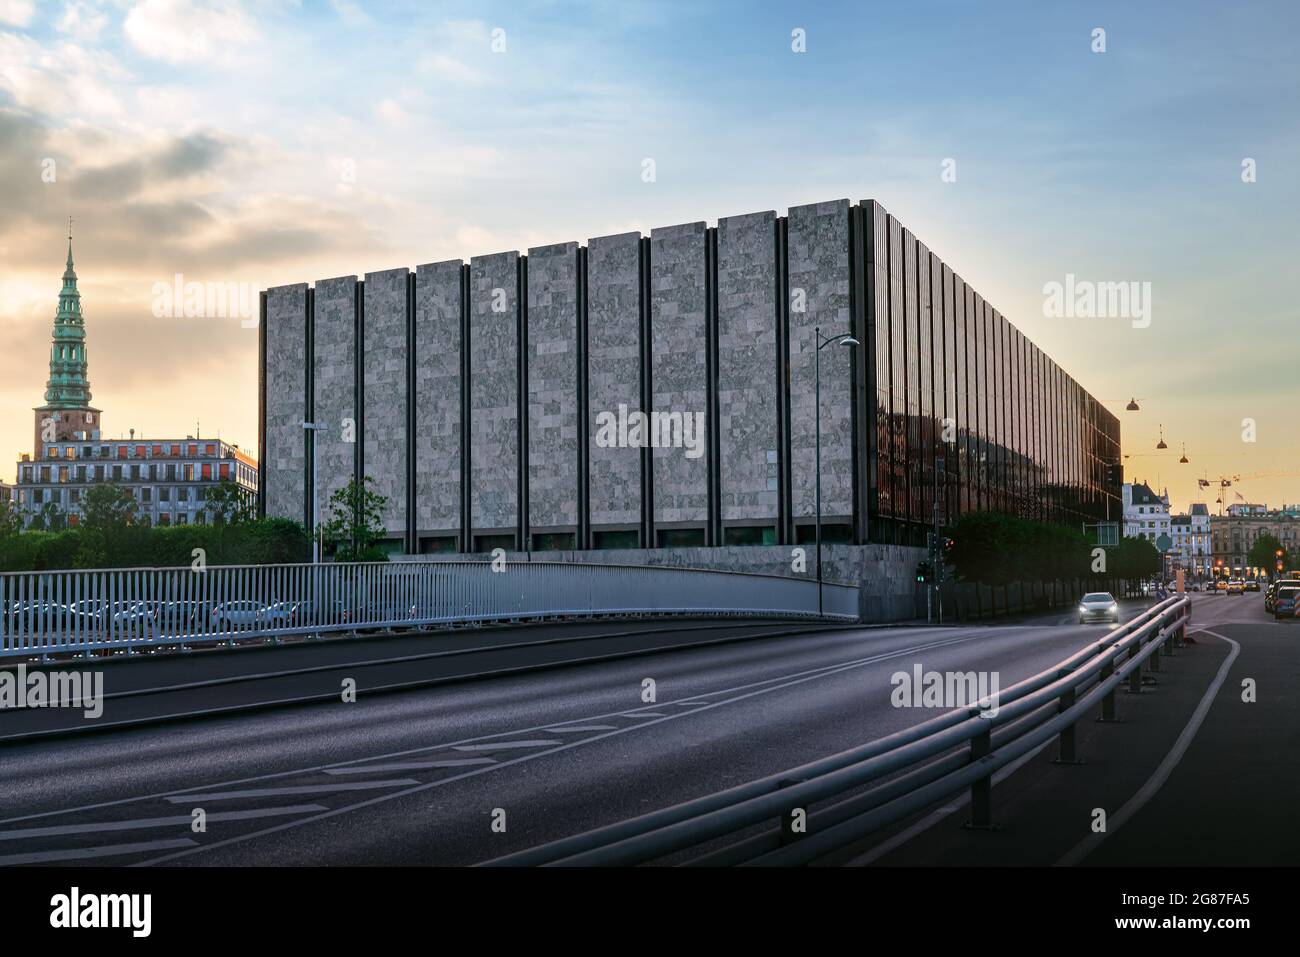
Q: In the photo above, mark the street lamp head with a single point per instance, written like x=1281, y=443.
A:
x=1132, y=406
x=849, y=341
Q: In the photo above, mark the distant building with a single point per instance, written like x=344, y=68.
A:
x=1192, y=543
x=1146, y=514
x=168, y=477
x=1234, y=534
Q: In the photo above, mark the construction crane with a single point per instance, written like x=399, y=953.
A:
x=1226, y=481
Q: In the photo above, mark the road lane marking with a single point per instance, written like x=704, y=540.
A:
x=1161, y=774
x=581, y=728
x=280, y=792
x=110, y=850
x=642, y=714
x=144, y=823
x=980, y=634
x=813, y=675
x=411, y=765
x=505, y=745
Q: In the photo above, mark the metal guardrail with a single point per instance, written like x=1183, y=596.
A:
x=56, y=612
x=904, y=773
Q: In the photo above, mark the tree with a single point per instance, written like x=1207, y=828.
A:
x=1264, y=554
x=1135, y=559
x=228, y=504
x=995, y=549
x=49, y=519
x=108, y=507
x=11, y=520
x=355, y=527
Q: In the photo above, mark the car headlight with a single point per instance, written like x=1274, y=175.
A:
x=1114, y=605
x=1083, y=608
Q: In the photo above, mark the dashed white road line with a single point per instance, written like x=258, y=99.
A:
x=411, y=765
x=581, y=728
x=144, y=823
x=279, y=792
x=110, y=850
x=505, y=745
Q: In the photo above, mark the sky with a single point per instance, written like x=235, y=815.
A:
x=265, y=142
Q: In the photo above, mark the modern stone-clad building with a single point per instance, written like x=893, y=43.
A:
x=499, y=402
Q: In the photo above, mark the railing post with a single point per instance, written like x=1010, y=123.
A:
x=1066, y=753
x=1154, y=660
x=981, y=789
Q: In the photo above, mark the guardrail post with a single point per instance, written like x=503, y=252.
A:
x=1108, y=702
x=1066, y=745
x=1154, y=659
x=981, y=790
x=1135, y=676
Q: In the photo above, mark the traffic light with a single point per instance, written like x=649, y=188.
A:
x=924, y=572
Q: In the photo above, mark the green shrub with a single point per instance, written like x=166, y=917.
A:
x=260, y=542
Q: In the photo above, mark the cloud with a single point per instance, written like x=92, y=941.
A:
x=65, y=79
x=350, y=13
x=84, y=21
x=391, y=111
x=17, y=13
x=450, y=69
x=181, y=31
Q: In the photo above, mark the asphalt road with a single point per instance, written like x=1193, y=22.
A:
x=1197, y=773
x=422, y=776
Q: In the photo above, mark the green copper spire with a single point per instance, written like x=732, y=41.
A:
x=68, y=388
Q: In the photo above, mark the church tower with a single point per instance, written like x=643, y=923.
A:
x=67, y=414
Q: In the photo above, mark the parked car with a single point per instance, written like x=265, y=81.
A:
x=284, y=614
x=50, y=618
x=1284, y=602
x=1098, y=606
x=1270, y=593
x=181, y=616
x=132, y=614
x=237, y=614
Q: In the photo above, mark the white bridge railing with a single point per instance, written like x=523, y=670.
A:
x=58, y=612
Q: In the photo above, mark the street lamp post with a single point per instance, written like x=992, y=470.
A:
x=845, y=340
x=936, y=542
x=317, y=428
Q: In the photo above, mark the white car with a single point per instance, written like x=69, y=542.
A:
x=1098, y=606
